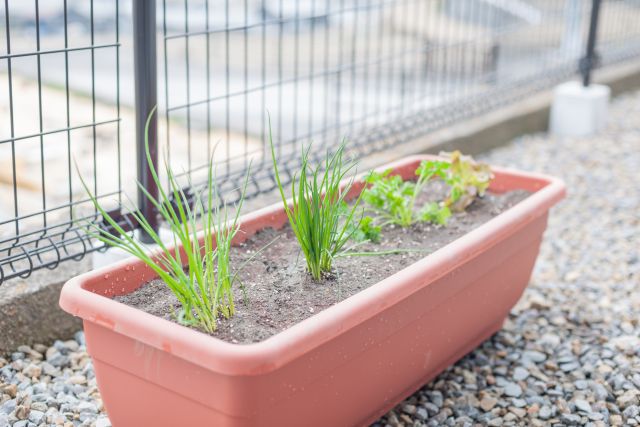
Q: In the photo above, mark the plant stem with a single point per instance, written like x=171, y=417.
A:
x=388, y=252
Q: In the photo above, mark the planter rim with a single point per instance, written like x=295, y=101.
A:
x=268, y=355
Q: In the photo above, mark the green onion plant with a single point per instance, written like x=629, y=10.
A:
x=317, y=213
x=201, y=277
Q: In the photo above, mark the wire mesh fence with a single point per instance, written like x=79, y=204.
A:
x=377, y=73
x=42, y=130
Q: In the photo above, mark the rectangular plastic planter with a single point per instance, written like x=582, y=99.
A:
x=344, y=366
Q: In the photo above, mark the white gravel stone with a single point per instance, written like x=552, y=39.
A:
x=103, y=421
x=513, y=390
x=520, y=373
x=582, y=405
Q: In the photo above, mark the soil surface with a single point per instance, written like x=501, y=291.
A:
x=281, y=293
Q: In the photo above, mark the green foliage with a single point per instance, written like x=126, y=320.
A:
x=390, y=197
x=201, y=278
x=435, y=213
x=366, y=231
x=316, y=212
x=467, y=179
x=393, y=200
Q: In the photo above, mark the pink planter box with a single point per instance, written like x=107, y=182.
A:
x=344, y=366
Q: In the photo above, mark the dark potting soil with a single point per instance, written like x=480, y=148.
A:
x=279, y=290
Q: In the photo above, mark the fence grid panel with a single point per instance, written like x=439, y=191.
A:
x=44, y=131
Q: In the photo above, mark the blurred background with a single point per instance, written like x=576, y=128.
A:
x=377, y=73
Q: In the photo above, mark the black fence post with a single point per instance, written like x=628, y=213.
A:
x=145, y=75
x=589, y=62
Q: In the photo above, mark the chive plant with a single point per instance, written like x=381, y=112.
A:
x=200, y=276
x=317, y=216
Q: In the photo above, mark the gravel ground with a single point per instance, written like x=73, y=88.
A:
x=569, y=354
x=50, y=386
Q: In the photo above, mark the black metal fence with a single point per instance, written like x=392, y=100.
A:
x=378, y=73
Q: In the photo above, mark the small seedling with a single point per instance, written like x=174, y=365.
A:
x=316, y=214
x=393, y=200
x=368, y=231
x=435, y=212
x=201, y=279
x=365, y=231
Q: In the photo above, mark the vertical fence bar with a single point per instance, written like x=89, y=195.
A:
x=589, y=61
x=145, y=74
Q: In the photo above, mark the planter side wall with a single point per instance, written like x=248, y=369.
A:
x=349, y=380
